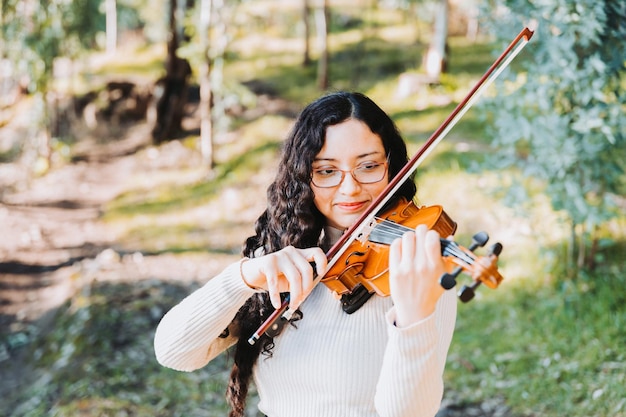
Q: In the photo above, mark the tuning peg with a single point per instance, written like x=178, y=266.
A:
x=495, y=249
x=467, y=293
x=479, y=240
x=448, y=280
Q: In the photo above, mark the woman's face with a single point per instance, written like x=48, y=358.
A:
x=348, y=145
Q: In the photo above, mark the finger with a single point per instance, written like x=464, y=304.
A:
x=271, y=278
x=395, y=253
x=292, y=273
x=306, y=260
x=319, y=258
x=432, y=245
x=409, y=241
x=420, y=238
x=315, y=262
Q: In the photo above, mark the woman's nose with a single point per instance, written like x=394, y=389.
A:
x=349, y=185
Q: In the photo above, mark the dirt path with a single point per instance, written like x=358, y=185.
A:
x=53, y=236
x=55, y=243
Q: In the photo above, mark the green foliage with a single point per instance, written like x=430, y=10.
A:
x=83, y=20
x=563, y=121
x=35, y=36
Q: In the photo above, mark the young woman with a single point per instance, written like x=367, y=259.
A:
x=385, y=359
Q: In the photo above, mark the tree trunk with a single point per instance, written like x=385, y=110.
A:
x=306, y=18
x=171, y=91
x=593, y=250
x=206, y=121
x=571, y=253
x=321, y=22
x=472, y=23
x=435, y=61
x=111, y=25
x=582, y=247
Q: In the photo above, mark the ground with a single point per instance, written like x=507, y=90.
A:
x=55, y=243
x=52, y=227
x=54, y=240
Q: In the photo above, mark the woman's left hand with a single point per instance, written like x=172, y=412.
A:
x=415, y=266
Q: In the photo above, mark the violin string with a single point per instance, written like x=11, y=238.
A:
x=394, y=230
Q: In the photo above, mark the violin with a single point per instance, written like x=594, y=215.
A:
x=363, y=269
x=352, y=269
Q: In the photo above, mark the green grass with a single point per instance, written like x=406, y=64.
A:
x=548, y=345
x=549, y=350
x=94, y=364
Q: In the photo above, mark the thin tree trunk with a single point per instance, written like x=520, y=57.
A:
x=472, y=24
x=436, y=56
x=306, y=18
x=571, y=255
x=111, y=25
x=171, y=95
x=593, y=250
x=206, y=121
x=580, y=261
x=321, y=20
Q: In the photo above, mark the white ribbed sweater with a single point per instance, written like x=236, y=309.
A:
x=332, y=365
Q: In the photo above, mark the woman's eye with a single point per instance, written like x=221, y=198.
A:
x=368, y=166
x=326, y=172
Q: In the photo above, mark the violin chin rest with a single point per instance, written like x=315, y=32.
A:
x=353, y=301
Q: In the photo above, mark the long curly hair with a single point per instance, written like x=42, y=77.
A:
x=291, y=217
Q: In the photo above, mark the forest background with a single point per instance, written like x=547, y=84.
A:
x=137, y=139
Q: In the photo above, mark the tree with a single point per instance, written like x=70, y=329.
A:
x=437, y=53
x=36, y=33
x=172, y=91
x=111, y=25
x=306, y=17
x=211, y=25
x=204, y=75
x=563, y=122
x=322, y=18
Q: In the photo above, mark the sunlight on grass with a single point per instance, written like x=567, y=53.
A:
x=538, y=349
x=147, y=62
x=168, y=216
x=546, y=344
x=271, y=129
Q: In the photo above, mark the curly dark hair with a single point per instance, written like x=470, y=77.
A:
x=291, y=217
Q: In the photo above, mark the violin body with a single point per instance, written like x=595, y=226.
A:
x=366, y=262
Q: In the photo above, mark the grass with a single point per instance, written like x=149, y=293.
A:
x=548, y=345
x=93, y=364
x=547, y=349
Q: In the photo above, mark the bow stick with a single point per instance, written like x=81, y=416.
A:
x=360, y=228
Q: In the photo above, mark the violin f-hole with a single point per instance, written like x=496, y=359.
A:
x=355, y=253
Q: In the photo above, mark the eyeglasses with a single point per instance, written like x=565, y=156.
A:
x=368, y=173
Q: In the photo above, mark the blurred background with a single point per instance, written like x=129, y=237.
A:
x=137, y=139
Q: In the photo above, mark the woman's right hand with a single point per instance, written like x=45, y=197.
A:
x=288, y=270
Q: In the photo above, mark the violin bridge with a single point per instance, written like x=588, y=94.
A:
x=365, y=231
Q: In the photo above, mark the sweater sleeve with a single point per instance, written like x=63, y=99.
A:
x=411, y=379
x=192, y=332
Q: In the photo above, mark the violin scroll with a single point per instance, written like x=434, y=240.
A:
x=482, y=269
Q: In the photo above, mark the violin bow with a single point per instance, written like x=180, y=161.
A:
x=359, y=229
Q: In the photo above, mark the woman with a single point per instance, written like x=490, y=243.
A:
x=385, y=359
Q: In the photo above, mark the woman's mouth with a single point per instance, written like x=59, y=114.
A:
x=351, y=207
